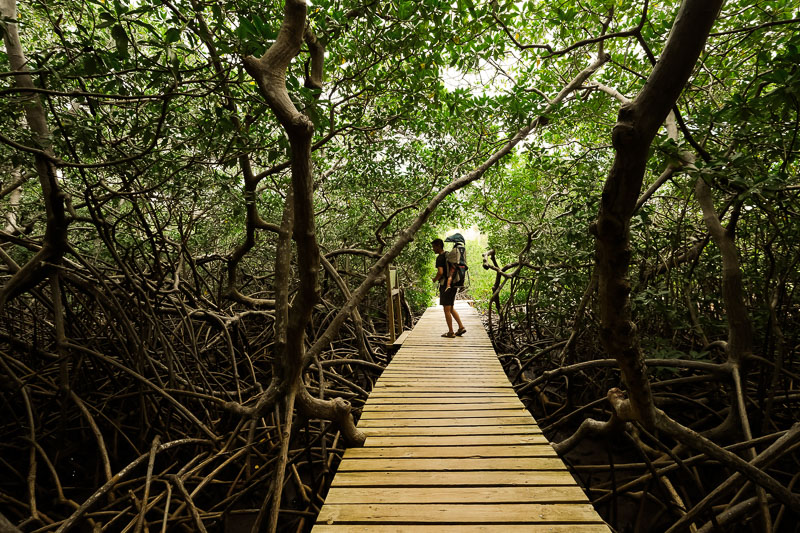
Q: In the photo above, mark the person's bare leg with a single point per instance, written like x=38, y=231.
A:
x=448, y=309
x=458, y=319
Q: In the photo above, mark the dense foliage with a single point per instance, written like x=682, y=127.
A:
x=160, y=285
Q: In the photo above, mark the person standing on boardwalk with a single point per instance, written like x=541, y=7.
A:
x=447, y=292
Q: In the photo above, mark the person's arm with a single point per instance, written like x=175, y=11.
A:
x=439, y=269
x=439, y=274
x=451, y=270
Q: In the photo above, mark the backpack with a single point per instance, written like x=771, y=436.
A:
x=458, y=258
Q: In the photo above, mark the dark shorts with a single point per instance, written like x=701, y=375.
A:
x=447, y=297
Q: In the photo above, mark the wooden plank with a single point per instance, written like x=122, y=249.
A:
x=460, y=368
x=439, y=383
x=404, y=358
x=473, y=371
x=446, y=361
x=451, y=464
x=460, y=377
x=460, y=528
x=457, y=367
x=451, y=422
x=449, y=396
x=423, y=336
x=402, y=338
x=448, y=376
x=395, y=406
x=449, y=363
x=390, y=397
x=407, y=356
x=476, y=393
x=453, y=430
x=437, y=353
x=463, y=441
x=447, y=413
x=479, y=370
x=491, y=478
x=441, y=349
x=444, y=380
x=434, y=513
x=473, y=451
x=355, y=495
x=377, y=399
x=443, y=387
x=456, y=364
x=433, y=355
x=513, y=411
x=433, y=337
x=464, y=377
x=452, y=366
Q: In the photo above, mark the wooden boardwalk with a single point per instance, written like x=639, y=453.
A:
x=450, y=448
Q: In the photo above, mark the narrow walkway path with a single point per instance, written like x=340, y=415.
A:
x=450, y=448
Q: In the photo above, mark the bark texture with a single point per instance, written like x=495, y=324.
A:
x=637, y=125
x=55, y=239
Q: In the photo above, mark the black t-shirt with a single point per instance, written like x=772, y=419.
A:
x=441, y=261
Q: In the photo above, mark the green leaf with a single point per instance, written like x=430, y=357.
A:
x=406, y=9
x=173, y=35
x=90, y=64
x=245, y=29
x=121, y=40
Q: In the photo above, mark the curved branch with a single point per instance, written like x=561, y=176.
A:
x=600, y=39
x=756, y=28
x=118, y=477
x=376, y=272
x=363, y=343
x=336, y=410
x=590, y=428
x=637, y=125
x=751, y=470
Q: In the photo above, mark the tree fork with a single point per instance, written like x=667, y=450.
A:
x=376, y=272
x=637, y=125
x=55, y=237
x=269, y=71
x=740, y=329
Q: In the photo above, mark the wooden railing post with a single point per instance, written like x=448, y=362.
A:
x=398, y=311
x=390, y=304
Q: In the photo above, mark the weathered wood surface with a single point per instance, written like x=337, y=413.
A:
x=450, y=448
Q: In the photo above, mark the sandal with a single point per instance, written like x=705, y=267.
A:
x=460, y=332
x=448, y=335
